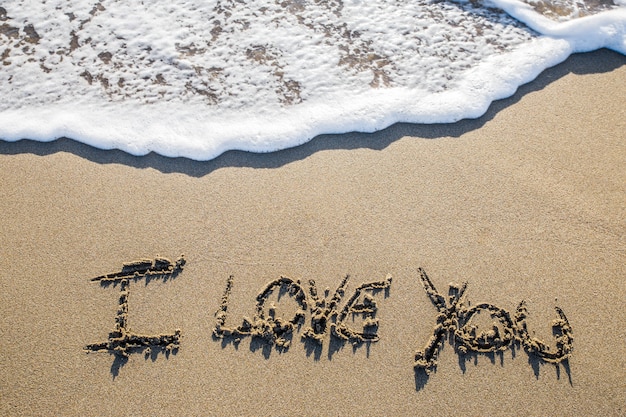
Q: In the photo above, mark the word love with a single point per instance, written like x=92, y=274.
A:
x=325, y=315
x=456, y=319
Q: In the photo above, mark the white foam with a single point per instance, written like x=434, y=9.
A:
x=215, y=76
x=606, y=29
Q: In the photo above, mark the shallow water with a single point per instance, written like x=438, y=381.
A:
x=196, y=78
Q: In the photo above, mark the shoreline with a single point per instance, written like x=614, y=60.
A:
x=600, y=61
x=524, y=204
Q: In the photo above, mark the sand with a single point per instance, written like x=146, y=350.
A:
x=524, y=204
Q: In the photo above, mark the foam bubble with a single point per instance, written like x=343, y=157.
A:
x=196, y=78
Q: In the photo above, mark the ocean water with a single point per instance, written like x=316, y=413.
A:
x=195, y=78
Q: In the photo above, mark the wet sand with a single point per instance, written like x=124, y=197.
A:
x=526, y=203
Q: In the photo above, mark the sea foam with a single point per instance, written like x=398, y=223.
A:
x=196, y=78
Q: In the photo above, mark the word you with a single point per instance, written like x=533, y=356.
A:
x=455, y=320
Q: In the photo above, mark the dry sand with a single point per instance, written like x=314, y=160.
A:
x=526, y=203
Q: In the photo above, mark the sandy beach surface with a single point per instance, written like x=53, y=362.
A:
x=526, y=203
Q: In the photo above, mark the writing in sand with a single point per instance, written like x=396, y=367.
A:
x=315, y=317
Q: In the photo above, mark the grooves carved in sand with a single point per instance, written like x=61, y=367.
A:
x=325, y=314
x=121, y=340
x=455, y=319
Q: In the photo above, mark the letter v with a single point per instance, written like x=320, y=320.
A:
x=322, y=311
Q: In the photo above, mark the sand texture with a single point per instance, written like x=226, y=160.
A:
x=470, y=269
